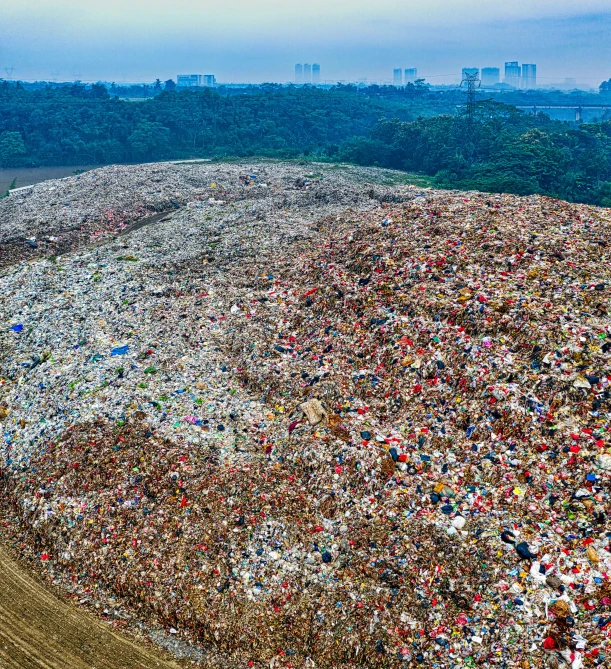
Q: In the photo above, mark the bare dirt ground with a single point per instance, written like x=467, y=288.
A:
x=39, y=631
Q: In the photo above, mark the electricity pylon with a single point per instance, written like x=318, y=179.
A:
x=473, y=83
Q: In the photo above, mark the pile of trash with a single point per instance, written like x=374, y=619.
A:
x=56, y=217
x=464, y=340
x=323, y=422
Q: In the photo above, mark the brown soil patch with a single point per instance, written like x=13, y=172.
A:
x=37, y=630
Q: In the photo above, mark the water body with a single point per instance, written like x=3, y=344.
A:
x=26, y=176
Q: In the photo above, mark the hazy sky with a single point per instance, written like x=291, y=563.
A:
x=261, y=40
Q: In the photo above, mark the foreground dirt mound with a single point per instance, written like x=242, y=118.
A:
x=37, y=630
x=298, y=432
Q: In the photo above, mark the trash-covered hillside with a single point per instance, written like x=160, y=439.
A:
x=309, y=416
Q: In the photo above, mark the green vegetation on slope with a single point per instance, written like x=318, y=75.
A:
x=77, y=125
x=503, y=151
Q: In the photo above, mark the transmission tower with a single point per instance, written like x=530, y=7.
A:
x=9, y=71
x=472, y=82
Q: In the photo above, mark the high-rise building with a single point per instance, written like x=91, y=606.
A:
x=490, y=76
x=307, y=73
x=471, y=71
x=299, y=73
x=410, y=74
x=529, y=76
x=188, y=80
x=316, y=73
x=397, y=77
x=513, y=73
x=195, y=80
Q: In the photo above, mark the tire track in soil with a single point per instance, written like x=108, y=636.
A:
x=39, y=631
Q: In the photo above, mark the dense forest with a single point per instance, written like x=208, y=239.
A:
x=498, y=149
x=76, y=124
x=502, y=150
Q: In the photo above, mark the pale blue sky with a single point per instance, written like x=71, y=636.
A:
x=261, y=40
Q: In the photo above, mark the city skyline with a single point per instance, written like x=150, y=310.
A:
x=518, y=76
x=68, y=40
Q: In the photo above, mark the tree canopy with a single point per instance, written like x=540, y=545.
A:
x=502, y=149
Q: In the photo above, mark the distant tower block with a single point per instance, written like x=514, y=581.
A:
x=529, y=76
x=513, y=73
x=307, y=73
x=397, y=77
x=316, y=73
x=410, y=75
x=299, y=73
x=491, y=76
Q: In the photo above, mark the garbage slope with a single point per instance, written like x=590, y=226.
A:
x=324, y=426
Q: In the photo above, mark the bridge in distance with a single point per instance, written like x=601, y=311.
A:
x=578, y=108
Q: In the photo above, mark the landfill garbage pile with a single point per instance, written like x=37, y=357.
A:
x=55, y=217
x=85, y=330
x=365, y=428
x=459, y=347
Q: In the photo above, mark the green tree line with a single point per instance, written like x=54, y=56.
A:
x=501, y=149
x=76, y=124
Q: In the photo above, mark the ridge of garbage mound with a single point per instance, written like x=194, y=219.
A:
x=317, y=436
x=59, y=216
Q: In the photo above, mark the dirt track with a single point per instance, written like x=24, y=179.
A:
x=39, y=631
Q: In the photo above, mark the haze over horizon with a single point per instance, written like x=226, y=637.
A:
x=241, y=41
